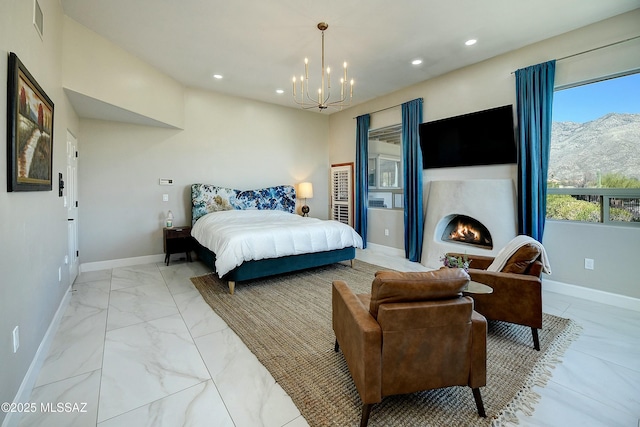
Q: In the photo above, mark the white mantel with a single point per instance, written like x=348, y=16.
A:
x=490, y=201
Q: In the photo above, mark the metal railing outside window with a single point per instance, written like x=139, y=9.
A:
x=613, y=206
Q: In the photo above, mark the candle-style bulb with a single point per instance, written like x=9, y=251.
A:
x=345, y=71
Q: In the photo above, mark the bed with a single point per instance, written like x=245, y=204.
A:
x=244, y=235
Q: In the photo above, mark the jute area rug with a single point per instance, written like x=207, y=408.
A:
x=286, y=322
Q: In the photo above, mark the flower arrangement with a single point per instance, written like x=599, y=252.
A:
x=456, y=262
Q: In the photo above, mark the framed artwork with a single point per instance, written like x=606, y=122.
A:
x=29, y=131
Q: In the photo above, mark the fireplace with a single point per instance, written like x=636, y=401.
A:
x=490, y=204
x=465, y=230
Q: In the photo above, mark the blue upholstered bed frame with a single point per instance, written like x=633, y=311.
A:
x=209, y=198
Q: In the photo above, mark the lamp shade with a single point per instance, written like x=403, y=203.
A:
x=305, y=190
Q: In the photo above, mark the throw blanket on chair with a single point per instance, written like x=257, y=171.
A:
x=511, y=248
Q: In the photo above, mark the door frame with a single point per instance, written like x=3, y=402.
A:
x=71, y=203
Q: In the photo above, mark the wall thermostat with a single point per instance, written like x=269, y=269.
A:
x=166, y=181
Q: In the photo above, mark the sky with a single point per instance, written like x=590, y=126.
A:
x=588, y=102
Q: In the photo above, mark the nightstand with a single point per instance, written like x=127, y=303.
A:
x=177, y=240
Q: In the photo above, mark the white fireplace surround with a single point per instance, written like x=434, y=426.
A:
x=490, y=201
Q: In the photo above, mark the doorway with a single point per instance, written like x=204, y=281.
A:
x=71, y=202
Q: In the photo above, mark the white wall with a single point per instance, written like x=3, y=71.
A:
x=33, y=225
x=490, y=84
x=100, y=70
x=226, y=141
x=615, y=251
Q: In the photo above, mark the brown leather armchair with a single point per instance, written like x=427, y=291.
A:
x=414, y=332
x=517, y=289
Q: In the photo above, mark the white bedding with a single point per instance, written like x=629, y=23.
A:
x=236, y=236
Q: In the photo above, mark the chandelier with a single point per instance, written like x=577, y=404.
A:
x=324, y=92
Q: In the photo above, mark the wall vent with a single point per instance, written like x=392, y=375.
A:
x=38, y=18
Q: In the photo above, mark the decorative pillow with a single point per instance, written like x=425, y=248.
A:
x=520, y=261
x=220, y=204
x=209, y=198
x=281, y=197
x=393, y=286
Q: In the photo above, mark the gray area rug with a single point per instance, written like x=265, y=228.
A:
x=286, y=322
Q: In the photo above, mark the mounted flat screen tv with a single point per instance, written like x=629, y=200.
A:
x=475, y=139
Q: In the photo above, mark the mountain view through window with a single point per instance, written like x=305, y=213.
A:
x=594, y=163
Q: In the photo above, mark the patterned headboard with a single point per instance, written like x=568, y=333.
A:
x=207, y=198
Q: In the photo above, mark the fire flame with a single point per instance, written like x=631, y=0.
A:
x=465, y=233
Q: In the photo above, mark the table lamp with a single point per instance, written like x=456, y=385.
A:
x=305, y=191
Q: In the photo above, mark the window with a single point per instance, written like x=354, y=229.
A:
x=594, y=162
x=384, y=172
x=385, y=168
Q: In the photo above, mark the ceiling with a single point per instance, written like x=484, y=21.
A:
x=259, y=45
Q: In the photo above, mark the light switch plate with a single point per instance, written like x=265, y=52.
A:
x=165, y=197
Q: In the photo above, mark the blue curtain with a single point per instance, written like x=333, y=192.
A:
x=412, y=161
x=362, y=176
x=534, y=101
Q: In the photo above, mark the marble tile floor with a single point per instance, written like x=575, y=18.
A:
x=140, y=347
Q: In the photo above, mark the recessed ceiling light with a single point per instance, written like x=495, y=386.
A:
x=217, y=76
x=471, y=42
x=416, y=61
x=279, y=91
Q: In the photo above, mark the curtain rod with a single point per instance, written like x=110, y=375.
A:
x=594, y=49
x=384, y=109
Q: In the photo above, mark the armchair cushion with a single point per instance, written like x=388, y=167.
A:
x=392, y=286
x=512, y=247
x=520, y=261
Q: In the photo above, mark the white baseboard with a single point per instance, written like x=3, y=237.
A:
x=616, y=300
x=122, y=262
x=12, y=419
x=385, y=250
